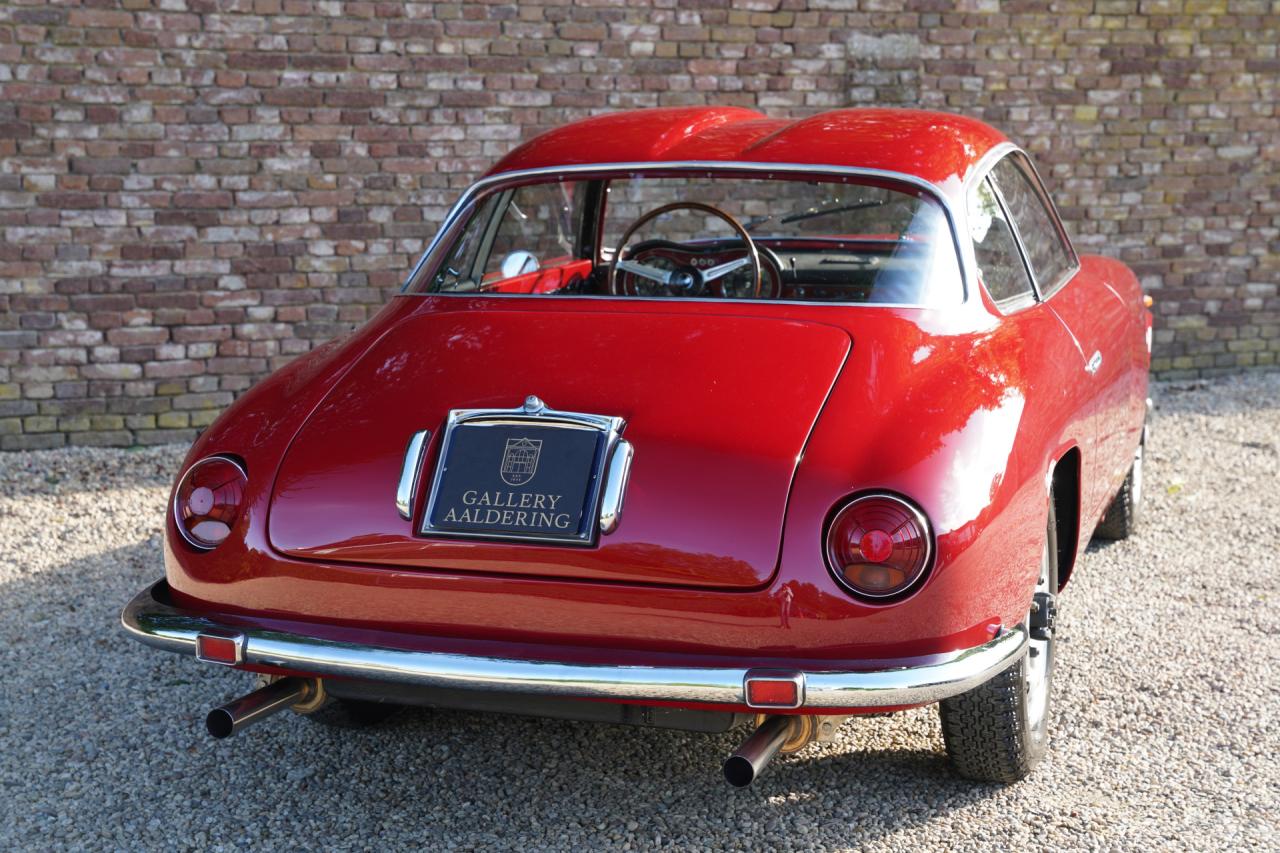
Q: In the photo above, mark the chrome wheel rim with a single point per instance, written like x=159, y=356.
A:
x=1038, y=668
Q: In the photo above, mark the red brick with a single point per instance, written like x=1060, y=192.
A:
x=99, y=18
x=249, y=199
x=202, y=199
x=70, y=200
x=258, y=61
x=171, y=369
x=136, y=335
x=16, y=130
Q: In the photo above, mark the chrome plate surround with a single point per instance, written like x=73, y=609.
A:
x=534, y=413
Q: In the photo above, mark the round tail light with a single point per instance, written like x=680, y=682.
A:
x=208, y=500
x=878, y=546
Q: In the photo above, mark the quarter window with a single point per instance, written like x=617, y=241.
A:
x=533, y=228
x=1049, y=257
x=543, y=222
x=994, y=247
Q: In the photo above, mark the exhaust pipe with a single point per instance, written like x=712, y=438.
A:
x=241, y=713
x=741, y=768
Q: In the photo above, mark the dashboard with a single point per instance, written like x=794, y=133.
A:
x=825, y=270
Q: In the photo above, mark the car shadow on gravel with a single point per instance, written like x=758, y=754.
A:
x=558, y=767
x=109, y=727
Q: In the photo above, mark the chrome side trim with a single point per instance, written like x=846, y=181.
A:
x=409, y=472
x=615, y=486
x=484, y=185
x=156, y=623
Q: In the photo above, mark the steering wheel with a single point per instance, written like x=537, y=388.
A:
x=690, y=279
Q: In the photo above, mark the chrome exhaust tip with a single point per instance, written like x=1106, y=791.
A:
x=226, y=720
x=750, y=759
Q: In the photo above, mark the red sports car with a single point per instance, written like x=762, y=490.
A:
x=687, y=418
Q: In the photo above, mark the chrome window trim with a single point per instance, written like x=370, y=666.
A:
x=534, y=412
x=984, y=165
x=983, y=172
x=1020, y=302
x=1014, y=303
x=586, y=170
x=1056, y=218
x=977, y=175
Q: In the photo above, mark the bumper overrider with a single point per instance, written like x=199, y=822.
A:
x=154, y=622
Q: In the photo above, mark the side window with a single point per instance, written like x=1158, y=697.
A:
x=457, y=272
x=1050, y=258
x=542, y=223
x=994, y=247
x=512, y=233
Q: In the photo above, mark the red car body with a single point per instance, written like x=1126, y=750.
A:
x=752, y=422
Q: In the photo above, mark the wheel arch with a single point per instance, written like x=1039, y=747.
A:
x=1064, y=491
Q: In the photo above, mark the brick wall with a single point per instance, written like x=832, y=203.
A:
x=193, y=192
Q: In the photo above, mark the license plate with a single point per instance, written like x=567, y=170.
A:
x=508, y=478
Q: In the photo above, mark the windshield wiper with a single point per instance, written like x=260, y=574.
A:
x=826, y=211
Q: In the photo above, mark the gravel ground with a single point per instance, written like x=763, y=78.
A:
x=1165, y=724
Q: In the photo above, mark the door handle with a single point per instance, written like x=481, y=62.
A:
x=1095, y=362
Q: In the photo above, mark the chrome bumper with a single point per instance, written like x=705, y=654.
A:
x=158, y=624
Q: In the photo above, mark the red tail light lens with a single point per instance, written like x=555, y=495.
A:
x=878, y=546
x=775, y=691
x=208, y=501
x=212, y=648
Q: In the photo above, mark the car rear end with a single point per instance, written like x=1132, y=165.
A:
x=629, y=507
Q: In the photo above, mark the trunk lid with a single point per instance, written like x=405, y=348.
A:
x=717, y=407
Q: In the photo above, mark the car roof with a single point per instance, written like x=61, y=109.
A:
x=940, y=148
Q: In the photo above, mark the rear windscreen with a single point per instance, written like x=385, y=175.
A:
x=707, y=237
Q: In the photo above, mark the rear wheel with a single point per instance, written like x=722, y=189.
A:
x=998, y=732
x=1121, y=518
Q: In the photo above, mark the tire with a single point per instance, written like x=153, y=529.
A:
x=998, y=731
x=353, y=714
x=1122, y=516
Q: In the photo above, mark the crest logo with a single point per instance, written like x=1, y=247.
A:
x=520, y=460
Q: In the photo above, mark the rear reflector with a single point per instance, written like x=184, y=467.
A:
x=775, y=690
x=224, y=650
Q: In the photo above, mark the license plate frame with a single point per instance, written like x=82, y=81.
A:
x=499, y=467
